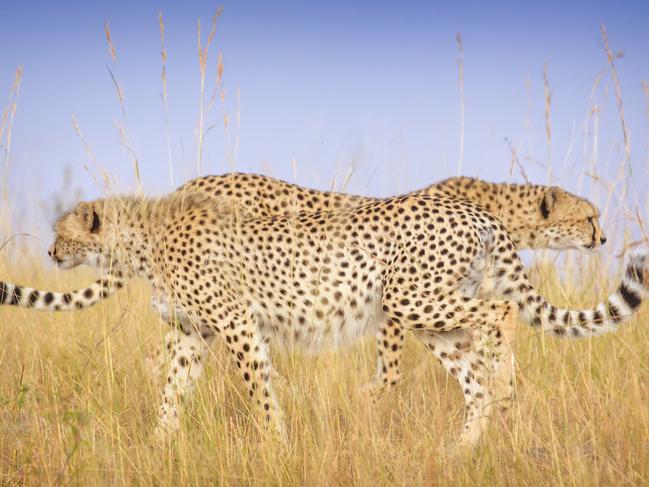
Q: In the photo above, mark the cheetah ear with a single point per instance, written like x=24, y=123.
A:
x=549, y=201
x=89, y=216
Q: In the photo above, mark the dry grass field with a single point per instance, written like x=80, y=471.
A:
x=77, y=406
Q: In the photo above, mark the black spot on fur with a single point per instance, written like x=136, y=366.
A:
x=544, y=208
x=636, y=273
x=95, y=223
x=630, y=297
x=614, y=313
x=33, y=296
x=598, y=319
x=583, y=320
x=48, y=298
x=15, y=298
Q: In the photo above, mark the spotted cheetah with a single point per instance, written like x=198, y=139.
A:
x=535, y=217
x=324, y=279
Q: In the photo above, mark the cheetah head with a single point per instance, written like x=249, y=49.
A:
x=79, y=237
x=566, y=221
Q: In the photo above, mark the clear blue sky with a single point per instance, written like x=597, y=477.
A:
x=330, y=84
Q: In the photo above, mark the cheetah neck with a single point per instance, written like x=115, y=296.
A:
x=138, y=228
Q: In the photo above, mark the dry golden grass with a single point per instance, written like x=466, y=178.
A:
x=77, y=407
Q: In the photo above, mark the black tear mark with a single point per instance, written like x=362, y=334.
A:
x=544, y=208
x=95, y=222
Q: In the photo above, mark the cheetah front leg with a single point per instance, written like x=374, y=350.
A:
x=157, y=363
x=238, y=328
x=389, y=344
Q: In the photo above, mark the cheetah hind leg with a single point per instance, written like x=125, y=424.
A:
x=156, y=363
x=479, y=357
x=188, y=354
x=493, y=341
x=459, y=352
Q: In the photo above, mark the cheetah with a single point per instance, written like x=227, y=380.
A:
x=535, y=217
x=323, y=279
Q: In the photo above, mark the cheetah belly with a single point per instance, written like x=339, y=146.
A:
x=322, y=317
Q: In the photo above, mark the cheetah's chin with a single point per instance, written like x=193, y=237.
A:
x=590, y=249
x=67, y=264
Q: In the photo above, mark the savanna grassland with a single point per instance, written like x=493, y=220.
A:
x=77, y=406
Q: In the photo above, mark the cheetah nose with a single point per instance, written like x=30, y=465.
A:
x=602, y=240
x=50, y=251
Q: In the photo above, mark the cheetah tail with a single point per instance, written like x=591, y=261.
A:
x=603, y=318
x=27, y=297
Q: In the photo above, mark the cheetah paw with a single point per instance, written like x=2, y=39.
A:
x=377, y=387
x=373, y=390
x=153, y=367
x=163, y=434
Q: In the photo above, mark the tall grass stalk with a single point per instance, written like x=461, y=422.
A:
x=6, y=125
x=165, y=104
x=202, y=63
